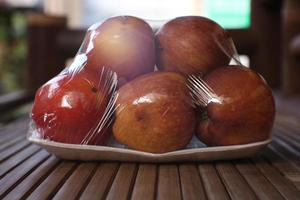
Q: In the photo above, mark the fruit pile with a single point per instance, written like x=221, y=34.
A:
x=153, y=92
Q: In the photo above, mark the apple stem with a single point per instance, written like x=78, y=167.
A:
x=201, y=93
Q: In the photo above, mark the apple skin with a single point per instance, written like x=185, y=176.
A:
x=189, y=45
x=125, y=44
x=68, y=107
x=155, y=113
x=246, y=110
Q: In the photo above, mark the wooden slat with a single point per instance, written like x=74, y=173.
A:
x=8, y=135
x=191, y=184
x=259, y=184
x=13, y=149
x=288, y=121
x=145, y=184
x=287, y=168
x=236, y=186
x=285, y=135
x=23, y=189
x=280, y=160
x=215, y=190
x=8, y=144
x=283, y=185
x=287, y=150
x=100, y=182
x=17, y=159
x=16, y=175
x=168, y=183
x=76, y=182
x=286, y=145
x=123, y=182
x=292, y=143
x=291, y=126
x=16, y=128
x=288, y=131
x=53, y=182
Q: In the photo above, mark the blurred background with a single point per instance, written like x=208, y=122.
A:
x=39, y=37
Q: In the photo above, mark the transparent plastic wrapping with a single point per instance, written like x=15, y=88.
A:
x=179, y=86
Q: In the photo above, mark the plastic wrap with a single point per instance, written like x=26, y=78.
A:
x=181, y=87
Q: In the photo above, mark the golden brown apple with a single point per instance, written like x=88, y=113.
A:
x=125, y=44
x=192, y=45
x=243, y=111
x=155, y=113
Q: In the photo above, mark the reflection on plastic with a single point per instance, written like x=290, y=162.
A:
x=110, y=94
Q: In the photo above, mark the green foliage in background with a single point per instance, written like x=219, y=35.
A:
x=12, y=52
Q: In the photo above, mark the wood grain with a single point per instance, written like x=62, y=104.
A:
x=13, y=141
x=145, y=183
x=18, y=158
x=48, y=188
x=235, y=184
x=122, y=185
x=76, y=182
x=24, y=188
x=13, y=149
x=168, y=183
x=289, y=169
x=215, y=190
x=283, y=185
x=100, y=182
x=19, y=173
x=254, y=178
x=191, y=184
x=12, y=130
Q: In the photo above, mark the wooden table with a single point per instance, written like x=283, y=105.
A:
x=27, y=171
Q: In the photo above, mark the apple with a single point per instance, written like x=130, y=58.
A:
x=242, y=110
x=192, y=45
x=71, y=108
x=125, y=44
x=154, y=113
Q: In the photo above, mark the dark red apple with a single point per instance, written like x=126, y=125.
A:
x=243, y=109
x=125, y=44
x=192, y=45
x=155, y=113
x=69, y=108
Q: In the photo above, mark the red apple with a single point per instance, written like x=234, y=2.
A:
x=125, y=44
x=155, y=113
x=243, y=110
x=69, y=109
x=192, y=45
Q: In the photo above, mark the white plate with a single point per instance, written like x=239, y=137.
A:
x=195, y=151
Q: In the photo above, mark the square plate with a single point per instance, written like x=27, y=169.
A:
x=195, y=151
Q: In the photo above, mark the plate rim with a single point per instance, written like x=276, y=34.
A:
x=99, y=148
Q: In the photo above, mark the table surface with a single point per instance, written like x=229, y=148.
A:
x=28, y=171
